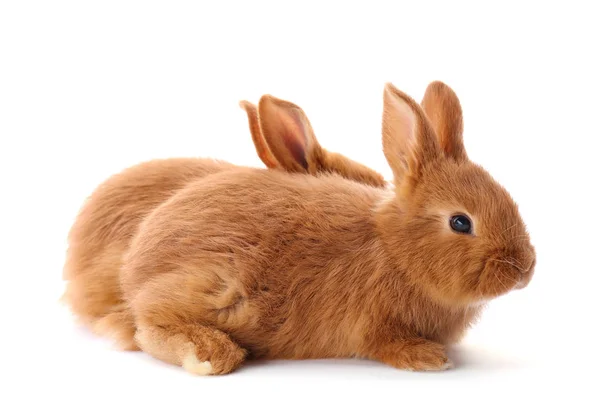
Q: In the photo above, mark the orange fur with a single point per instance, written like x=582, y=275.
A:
x=103, y=231
x=262, y=148
x=266, y=264
x=284, y=138
x=111, y=216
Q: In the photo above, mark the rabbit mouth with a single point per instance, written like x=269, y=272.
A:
x=501, y=275
x=527, y=274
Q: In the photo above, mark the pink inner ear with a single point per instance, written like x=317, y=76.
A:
x=294, y=139
x=404, y=124
x=297, y=149
x=406, y=121
x=400, y=134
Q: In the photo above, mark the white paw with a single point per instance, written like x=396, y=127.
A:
x=193, y=365
x=447, y=365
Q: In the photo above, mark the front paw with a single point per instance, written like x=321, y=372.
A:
x=427, y=360
x=416, y=355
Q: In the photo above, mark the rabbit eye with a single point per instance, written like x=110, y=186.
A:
x=461, y=224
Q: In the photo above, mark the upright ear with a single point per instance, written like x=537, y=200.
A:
x=288, y=134
x=409, y=142
x=442, y=107
x=262, y=149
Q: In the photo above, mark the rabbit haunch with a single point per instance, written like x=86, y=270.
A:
x=111, y=216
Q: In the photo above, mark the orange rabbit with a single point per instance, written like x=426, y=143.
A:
x=111, y=216
x=265, y=264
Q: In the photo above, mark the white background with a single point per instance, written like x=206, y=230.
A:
x=88, y=88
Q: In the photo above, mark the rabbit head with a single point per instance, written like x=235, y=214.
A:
x=454, y=229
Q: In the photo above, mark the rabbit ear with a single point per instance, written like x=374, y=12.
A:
x=409, y=141
x=288, y=134
x=286, y=130
x=262, y=149
x=443, y=109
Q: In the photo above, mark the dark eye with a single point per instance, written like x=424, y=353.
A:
x=460, y=224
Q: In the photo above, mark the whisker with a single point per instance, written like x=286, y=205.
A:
x=510, y=263
x=498, y=287
x=518, y=237
x=505, y=276
x=506, y=230
x=498, y=279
